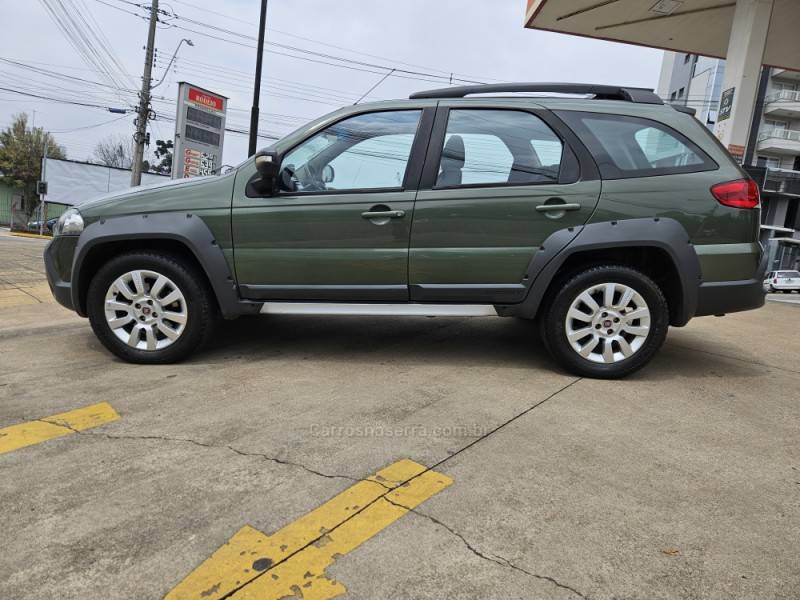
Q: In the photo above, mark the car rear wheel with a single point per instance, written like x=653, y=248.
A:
x=606, y=322
x=150, y=308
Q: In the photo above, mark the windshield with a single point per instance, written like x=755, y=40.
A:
x=789, y=274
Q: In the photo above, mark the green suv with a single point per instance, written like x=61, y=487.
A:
x=607, y=218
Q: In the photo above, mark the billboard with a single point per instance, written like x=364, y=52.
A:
x=199, y=132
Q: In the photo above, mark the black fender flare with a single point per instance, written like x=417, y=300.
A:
x=664, y=233
x=186, y=228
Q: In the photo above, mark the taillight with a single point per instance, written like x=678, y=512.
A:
x=775, y=280
x=742, y=193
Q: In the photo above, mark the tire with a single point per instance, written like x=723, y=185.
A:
x=616, y=345
x=185, y=322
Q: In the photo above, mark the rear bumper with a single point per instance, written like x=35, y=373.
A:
x=722, y=297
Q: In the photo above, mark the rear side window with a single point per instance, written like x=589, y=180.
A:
x=625, y=147
x=498, y=147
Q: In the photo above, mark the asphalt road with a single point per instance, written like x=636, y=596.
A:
x=682, y=481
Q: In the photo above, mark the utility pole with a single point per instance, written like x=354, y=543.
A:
x=43, y=197
x=262, y=25
x=144, y=100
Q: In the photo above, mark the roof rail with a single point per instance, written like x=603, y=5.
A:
x=601, y=92
x=685, y=109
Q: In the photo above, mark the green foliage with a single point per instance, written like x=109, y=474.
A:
x=163, y=152
x=21, y=151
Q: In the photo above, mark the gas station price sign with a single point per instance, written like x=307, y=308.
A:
x=200, y=132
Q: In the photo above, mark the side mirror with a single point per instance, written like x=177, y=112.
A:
x=328, y=174
x=268, y=165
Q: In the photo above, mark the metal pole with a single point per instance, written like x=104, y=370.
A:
x=755, y=122
x=262, y=25
x=144, y=100
x=43, y=199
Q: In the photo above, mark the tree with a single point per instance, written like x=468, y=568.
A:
x=163, y=153
x=21, y=151
x=115, y=151
x=118, y=150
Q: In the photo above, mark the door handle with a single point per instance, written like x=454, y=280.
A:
x=384, y=214
x=558, y=207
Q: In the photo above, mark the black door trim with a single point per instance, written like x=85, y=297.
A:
x=341, y=293
x=469, y=293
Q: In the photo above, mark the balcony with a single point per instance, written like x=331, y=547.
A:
x=785, y=103
x=779, y=141
x=786, y=74
x=783, y=181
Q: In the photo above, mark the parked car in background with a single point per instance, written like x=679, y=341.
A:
x=35, y=225
x=782, y=281
x=606, y=219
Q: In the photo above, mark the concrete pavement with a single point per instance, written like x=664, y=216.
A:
x=682, y=481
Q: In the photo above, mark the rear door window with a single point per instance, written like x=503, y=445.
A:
x=626, y=147
x=498, y=147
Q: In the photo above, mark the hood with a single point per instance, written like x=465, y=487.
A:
x=130, y=193
x=196, y=194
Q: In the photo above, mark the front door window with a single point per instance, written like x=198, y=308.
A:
x=366, y=152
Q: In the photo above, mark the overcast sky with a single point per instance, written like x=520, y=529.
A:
x=481, y=40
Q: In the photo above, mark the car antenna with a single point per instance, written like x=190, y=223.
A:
x=370, y=90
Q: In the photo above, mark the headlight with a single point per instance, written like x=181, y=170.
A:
x=70, y=223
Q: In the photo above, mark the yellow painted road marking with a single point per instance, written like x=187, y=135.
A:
x=301, y=551
x=35, y=432
x=31, y=235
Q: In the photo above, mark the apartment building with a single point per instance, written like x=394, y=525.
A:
x=773, y=155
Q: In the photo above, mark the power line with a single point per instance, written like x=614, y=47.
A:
x=60, y=100
x=329, y=45
x=350, y=63
x=69, y=94
x=90, y=45
x=62, y=131
x=100, y=106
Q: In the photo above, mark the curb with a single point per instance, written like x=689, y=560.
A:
x=35, y=236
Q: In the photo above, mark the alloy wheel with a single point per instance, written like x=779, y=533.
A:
x=146, y=310
x=607, y=323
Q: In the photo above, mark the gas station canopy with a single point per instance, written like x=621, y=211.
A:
x=691, y=26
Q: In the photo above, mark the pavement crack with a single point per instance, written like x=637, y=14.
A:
x=499, y=560
x=494, y=430
x=163, y=438
x=389, y=489
x=289, y=463
x=57, y=423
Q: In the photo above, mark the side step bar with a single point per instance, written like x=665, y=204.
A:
x=389, y=310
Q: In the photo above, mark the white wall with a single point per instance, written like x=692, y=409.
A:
x=70, y=182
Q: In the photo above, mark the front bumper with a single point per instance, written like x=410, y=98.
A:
x=722, y=297
x=58, y=267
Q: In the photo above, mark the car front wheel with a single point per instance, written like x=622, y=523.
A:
x=149, y=308
x=606, y=322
